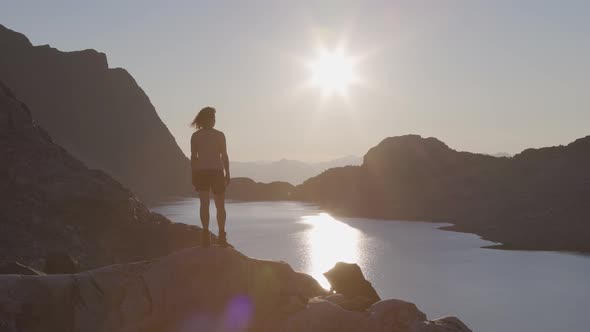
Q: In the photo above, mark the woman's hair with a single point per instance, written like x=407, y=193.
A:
x=205, y=118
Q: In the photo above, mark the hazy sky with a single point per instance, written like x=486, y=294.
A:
x=483, y=76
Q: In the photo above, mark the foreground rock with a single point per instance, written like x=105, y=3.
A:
x=52, y=205
x=354, y=291
x=384, y=316
x=197, y=289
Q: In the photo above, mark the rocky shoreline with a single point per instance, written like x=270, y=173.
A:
x=535, y=200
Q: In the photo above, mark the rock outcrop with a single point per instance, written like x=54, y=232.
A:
x=99, y=114
x=356, y=292
x=50, y=202
x=537, y=199
x=384, y=316
x=196, y=289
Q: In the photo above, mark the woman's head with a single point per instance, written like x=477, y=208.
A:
x=205, y=118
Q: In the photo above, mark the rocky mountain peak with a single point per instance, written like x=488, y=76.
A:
x=12, y=39
x=406, y=152
x=98, y=114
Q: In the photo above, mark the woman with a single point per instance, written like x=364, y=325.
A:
x=210, y=166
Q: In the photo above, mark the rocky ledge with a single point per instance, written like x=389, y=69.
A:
x=51, y=204
x=205, y=289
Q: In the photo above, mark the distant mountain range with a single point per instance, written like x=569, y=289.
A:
x=502, y=155
x=97, y=113
x=292, y=171
x=538, y=199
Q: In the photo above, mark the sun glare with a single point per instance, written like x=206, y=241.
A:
x=333, y=72
x=330, y=241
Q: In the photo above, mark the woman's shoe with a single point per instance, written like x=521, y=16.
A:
x=205, y=238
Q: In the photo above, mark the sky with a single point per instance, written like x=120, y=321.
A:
x=482, y=76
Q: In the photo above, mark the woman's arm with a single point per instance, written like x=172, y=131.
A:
x=194, y=152
x=225, y=159
x=194, y=157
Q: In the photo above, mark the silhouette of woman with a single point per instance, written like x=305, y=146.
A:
x=210, y=168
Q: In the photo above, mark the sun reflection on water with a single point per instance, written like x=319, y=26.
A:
x=329, y=241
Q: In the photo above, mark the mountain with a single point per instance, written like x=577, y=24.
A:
x=245, y=189
x=538, y=199
x=97, y=113
x=285, y=170
x=502, y=155
x=50, y=202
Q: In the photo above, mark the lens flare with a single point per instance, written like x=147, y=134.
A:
x=333, y=71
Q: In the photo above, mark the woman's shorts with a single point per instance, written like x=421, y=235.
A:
x=209, y=180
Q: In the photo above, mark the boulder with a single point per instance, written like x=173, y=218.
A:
x=355, y=306
x=395, y=316
x=446, y=324
x=356, y=303
x=385, y=316
x=348, y=280
x=324, y=316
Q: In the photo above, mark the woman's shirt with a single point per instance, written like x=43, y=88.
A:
x=207, y=148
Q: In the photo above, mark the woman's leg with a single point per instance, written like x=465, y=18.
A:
x=204, y=198
x=220, y=206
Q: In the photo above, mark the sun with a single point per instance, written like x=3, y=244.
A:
x=333, y=71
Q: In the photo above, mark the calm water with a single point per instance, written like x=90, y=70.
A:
x=444, y=273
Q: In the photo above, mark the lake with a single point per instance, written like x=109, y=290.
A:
x=442, y=272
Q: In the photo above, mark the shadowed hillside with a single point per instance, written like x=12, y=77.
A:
x=99, y=114
x=539, y=199
x=245, y=189
x=51, y=202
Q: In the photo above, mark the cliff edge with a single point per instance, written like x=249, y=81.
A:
x=99, y=114
x=51, y=202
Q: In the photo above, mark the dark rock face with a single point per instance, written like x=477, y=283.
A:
x=98, y=114
x=51, y=202
x=60, y=263
x=245, y=189
x=18, y=268
x=538, y=199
